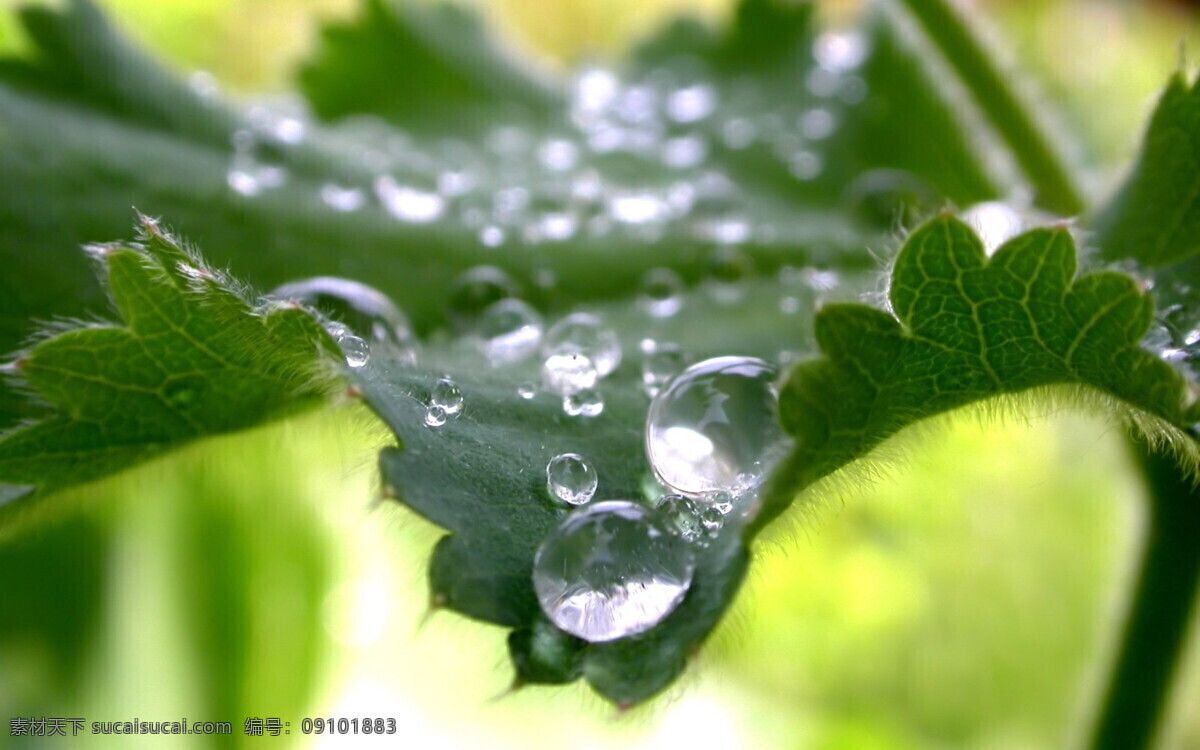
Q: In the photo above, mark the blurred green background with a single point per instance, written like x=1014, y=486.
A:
x=965, y=599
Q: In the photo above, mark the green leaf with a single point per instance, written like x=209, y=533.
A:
x=1154, y=218
x=427, y=67
x=966, y=328
x=191, y=357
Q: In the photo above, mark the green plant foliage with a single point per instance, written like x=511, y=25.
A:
x=1154, y=218
x=965, y=328
x=191, y=358
x=89, y=127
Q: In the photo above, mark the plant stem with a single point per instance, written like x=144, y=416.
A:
x=1013, y=119
x=1160, y=612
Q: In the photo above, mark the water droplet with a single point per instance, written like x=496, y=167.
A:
x=995, y=222
x=585, y=403
x=407, y=203
x=571, y=479
x=447, y=396
x=738, y=133
x=712, y=520
x=728, y=270
x=660, y=365
x=355, y=349
x=817, y=124
x=474, y=291
x=684, y=152
x=509, y=331
x=558, y=155
x=691, y=104
x=637, y=208
x=363, y=308
x=584, y=333
x=491, y=236
x=682, y=516
x=527, y=390
x=722, y=502
x=435, y=416
x=662, y=292
x=840, y=51
x=344, y=199
x=566, y=373
x=610, y=570
x=715, y=428
x=805, y=165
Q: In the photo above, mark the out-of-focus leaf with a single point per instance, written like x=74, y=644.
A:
x=1154, y=218
x=191, y=357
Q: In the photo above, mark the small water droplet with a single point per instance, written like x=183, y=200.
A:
x=722, y=502
x=435, y=416
x=682, y=516
x=344, y=199
x=712, y=520
x=738, y=133
x=474, y=291
x=356, y=351
x=660, y=365
x=805, y=165
x=610, y=570
x=817, y=124
x=840, y=51
x=566, y=373
x=447, y=396
x=586, y=334
x=715, y=427
x=491, y=236
x=728, y=270
x=408, y=204
x=691, y=104
x=509, y=330
x=662, y=292
x=637, y=208
x=527, y=390
x=585, y=403
x=571, y=479
x=558, y=155
x=684, y=152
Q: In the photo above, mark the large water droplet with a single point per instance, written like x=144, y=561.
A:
x=571, y=479
x=363, y=308
x=584, y=333
x=610, y=570
x=715, y=428
x=354, y=349
x=509, y=331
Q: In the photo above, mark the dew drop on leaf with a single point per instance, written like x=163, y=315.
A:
x=610, y=570
x=571, y=479
x=474, y=291
x=435, y=416
x=364, y=309
x=661, y=363
x=586, y=403
x=585, y=334
x=447, y=396
x=509, y=331
x=662, y=292
x=682, y=516
x=566, y=373
x=715, y=427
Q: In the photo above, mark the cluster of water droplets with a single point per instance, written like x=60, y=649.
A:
x=619, y=567
x=1174, y=334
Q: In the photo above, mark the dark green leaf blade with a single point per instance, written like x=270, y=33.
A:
x=967, y=328
x=423, y=66
x=1154, y=219
x=191, y=357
